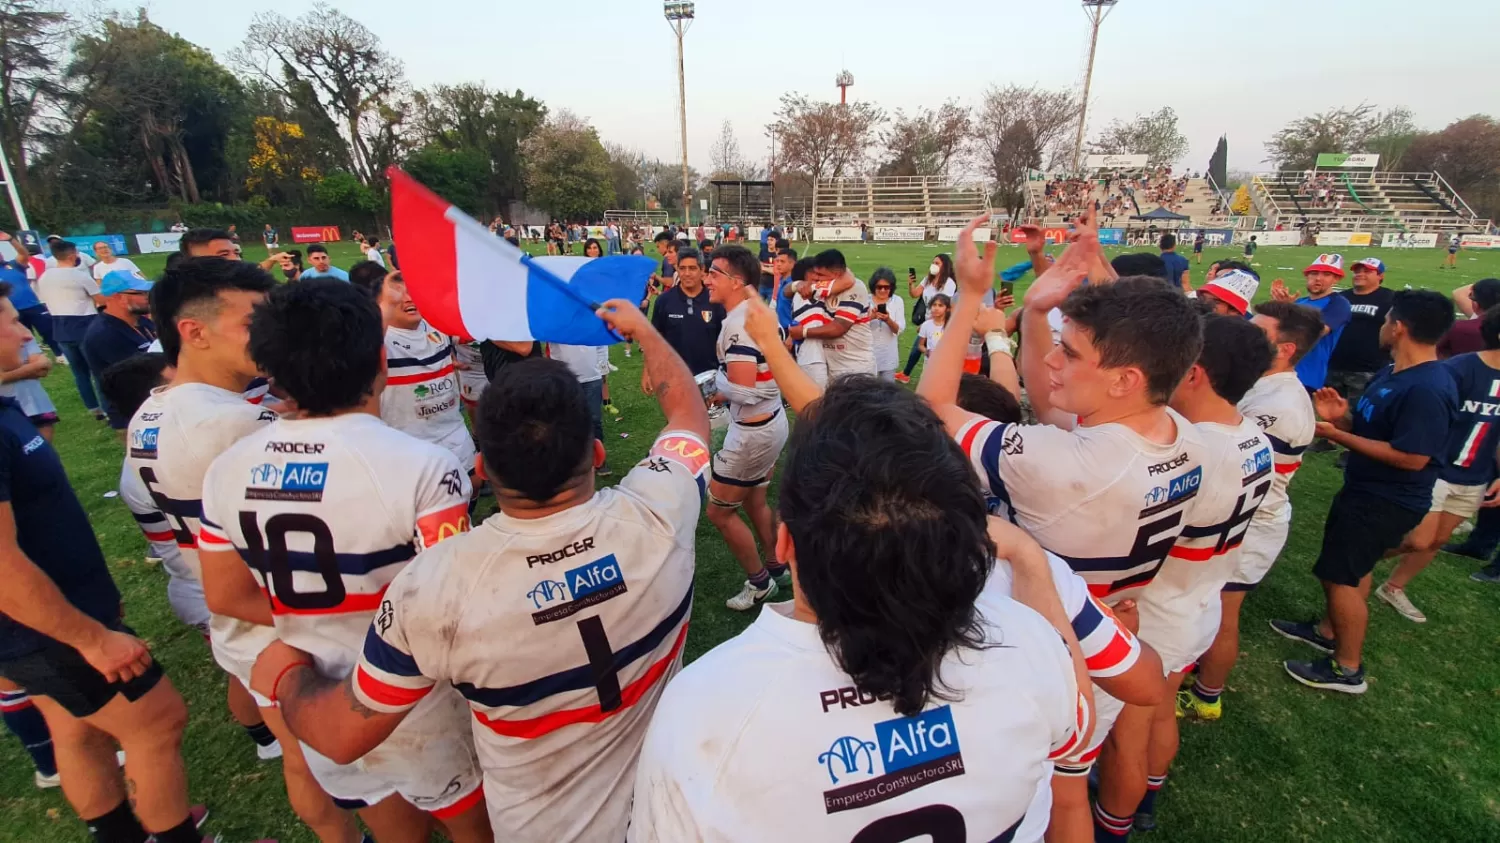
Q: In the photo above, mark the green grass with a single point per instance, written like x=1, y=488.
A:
x=1414, y=759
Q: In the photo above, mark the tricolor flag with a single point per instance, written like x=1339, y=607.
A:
x=469, y=283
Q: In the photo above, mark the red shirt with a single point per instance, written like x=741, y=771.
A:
x=1462, y=338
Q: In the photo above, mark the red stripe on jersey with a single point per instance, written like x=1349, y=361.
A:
x=159, y=535
x=814, y=320
x=1114, y=653
x=762, y=377
x=462, y=805
x=1192, y=554
x=398, y=380
x=1066, y=748
x=547, y=723
x=391, y=695
x=209, y=541
x=968, y=441
x=350, y=603
x=1288, y=467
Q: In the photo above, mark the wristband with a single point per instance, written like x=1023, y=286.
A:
x=996, y=342
x=282, y=675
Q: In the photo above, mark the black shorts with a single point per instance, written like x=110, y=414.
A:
x=61, y=674
x=1360, y=529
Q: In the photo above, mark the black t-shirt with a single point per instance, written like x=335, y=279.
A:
x=496, y=358
x=690, y=325
x=1359, y=346
x=51, y=529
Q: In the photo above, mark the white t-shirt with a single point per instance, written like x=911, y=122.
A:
x=933, y=333
x=515, y=613
x=1279, y=404
x=948, y=288
x=854, y=352
x=735, y=345
x=421, y=390
x=29, y=393
x=101, y=269
x=583, y=360
x=887, y=355
x=174, y=437
x=375, y=256
x=765, y=738
x=67, y=291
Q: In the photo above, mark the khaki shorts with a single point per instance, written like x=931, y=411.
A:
x=750, y=452
x=1462, y=501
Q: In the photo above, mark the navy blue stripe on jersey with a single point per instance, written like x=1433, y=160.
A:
x=745, y=351
x=410, y=362
x=1087, y=620
x=210, y=525
x=1080, y=564
x=1281, y=447
x=1191, y=532
x=989, y=457
x=1009, y=834
x=387, y=658
x=352, y=564
x=181, y=509
x=153, y=518
x=578, y=678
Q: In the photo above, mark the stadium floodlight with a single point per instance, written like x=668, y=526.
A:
x=1097, y=11
x=844, y=81
x=680, y=16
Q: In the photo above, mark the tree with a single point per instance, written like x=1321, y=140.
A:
x=458, y=175
x=627, y=176
x=927, y=142
x=567, y=169
x=347, y=70
x=1467, y=155
x=1016, y=126
x=1297, y=145
x=728, y=162
x=663, y=180
x=281, y=166
x=1154, y=135
x=31, y=44
x=472, y=117
x=1241, y=203
x=1218, y=163
x=824, y=140
x=342, y=191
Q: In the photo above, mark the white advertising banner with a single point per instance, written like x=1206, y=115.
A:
x=1408, y=240
x=950, y=235
x=903, y=232
x=1481, y=241
x=827, y=233
x=1269, y=238
x=1344, y=238
x=164, y=241
x=1116, y=162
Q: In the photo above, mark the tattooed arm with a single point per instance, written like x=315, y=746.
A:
x=326, y=714
x=669, y=378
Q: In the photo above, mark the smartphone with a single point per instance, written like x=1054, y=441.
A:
x=880, y=308
x=911, y=272
x=1007, y=288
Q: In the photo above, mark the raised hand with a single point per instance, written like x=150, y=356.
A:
x=989, y=319
x=976, y=273
x=1280, y=292
x=1330, y=405
x=761, y=323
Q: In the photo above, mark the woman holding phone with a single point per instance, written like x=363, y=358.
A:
x=887, y=321
x=938, y=281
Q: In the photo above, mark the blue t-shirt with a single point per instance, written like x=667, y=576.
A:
x=333, y=272
x=51, y=529
x=784, y=306
x=1176, y=265
x=1412, y=410
x=1312, y=370
x=1475, y=434
x=21, y=294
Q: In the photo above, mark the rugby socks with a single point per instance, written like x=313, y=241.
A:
x=120, y=826
x=260, y=734
x=25, y=722
x=1148, y=802
x=1109, y=828
x=776, y=569
x=1205, y=693
x=184, y=832
x=762, y=580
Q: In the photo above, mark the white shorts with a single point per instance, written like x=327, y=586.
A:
x=1263, y=543
x=236, y=645
x=429, y=760
x=1462, y=501
x=185, y=596
x=1106, y=711
x=750, y=452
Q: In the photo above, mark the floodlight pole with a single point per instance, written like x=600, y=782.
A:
x=680, y=16
x=1097, y=11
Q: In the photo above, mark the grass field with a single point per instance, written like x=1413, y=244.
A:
x=1414, y=759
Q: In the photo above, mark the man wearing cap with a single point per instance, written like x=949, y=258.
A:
x=1358, y=355
x=1324, y=272
x=121, y=329
x=1229, y=291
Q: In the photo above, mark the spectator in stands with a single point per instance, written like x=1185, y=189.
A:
x=1177, y=269
x=1321, y=275
x=1473, y=301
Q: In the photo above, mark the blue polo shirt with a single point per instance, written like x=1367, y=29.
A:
x=1412, y=410
x=1470, y=456
x=51, y=529
x=333, y=272
x=1312, y=369
x=109, y=340
x=21, y=294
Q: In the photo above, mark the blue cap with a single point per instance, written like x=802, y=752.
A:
x=123, y=280
x=1371, y=263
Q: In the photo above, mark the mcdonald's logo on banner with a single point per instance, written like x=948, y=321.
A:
x=315, y=234
x=443, y=524
x=684, y=449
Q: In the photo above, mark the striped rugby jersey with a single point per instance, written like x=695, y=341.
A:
x=809, y=314
x=736, y=346
x=1473, y=436
x=1280, y=406
x=421, y=390
x=854, y=352
x=561, y=632
x=172, y=439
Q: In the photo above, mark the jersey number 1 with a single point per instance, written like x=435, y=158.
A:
x=270, y=556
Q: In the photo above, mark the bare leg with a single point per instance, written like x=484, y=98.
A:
x=91, y=779
x=762, y=520
x=727, y=519
x=1122, y=762
x=1216, y=664
x=150, y=732
x=1348, y=617
x=471, y=826
x=329, y=822
x=1071, y=821
x=242, y=706
x=1422, y=555
x=1164, y=735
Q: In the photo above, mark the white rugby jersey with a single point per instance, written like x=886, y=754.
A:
x=809, y=314
x=1280, y=406
x=854, y=352
x=560, y=632
x=471, y=379
x=173, y=438
x=765, y=738
x=326, y=511
x=184, y=591
x=1180, y=608
x=421, y=390
x=1105, y=499
x=735, y=345
x=1109, y=649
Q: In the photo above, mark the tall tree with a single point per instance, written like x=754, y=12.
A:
x=1297, y=145
x=1218, y=163
x=927, y=142
x=627, y=176
x=567, y=169
x=348, y=71
x=825, y=140
x=1154, y=135
x=1466, y=153
x=470, y=116
x=1016, y=127
x=729, y=163
x=32, y=41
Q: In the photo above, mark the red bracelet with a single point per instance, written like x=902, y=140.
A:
x=282, y=675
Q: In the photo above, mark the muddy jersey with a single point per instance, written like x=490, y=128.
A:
x=1280, y=406
x=471, y=379
x=172, y=439
x=854, y=352
x=560, y=632
x=421, y=390
x=184, y=591
x=809, y=314
x=737, y=346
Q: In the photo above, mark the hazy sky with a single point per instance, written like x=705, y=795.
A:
x=1227, y=66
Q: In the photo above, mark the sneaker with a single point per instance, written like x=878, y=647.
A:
x=902, y=377
x=784, y=582
x=1321, y=446
x=604, y=471
x=153, y=560
x=199, y=813
x=269, y=752
x=1144, y=822
x=1328, y=675
x=1307, y=633
x=1400, y=602
x=63, y=360
x=46, y=782
x=1486, y=574
x=750, y=596
x=1191, y=705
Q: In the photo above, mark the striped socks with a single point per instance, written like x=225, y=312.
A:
x=260, y=734
x=1109, y=828
x=1205, y=693
x=26, y=723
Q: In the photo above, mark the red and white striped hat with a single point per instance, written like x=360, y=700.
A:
x=1236, y=288
x=1327, y=263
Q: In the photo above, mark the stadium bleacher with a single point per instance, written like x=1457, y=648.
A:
x=1194, y=197
x=1363, y=201
x=908, y=201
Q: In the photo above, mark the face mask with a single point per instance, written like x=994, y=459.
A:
x=935, y=270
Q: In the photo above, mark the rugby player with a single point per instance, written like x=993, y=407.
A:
x=848, y=344
x=559, y=619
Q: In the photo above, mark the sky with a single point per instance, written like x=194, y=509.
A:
x=1228, y=67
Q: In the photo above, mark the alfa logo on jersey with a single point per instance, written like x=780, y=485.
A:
x=1180, y=488
x=143, y=442
x=296, y=481
x=909, y=752
x=581, y=587
x=1257, y=466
